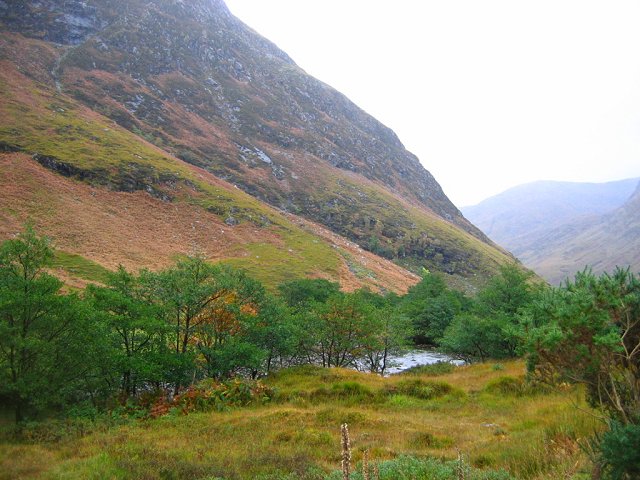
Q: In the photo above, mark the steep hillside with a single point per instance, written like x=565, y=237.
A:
x=559, y=228
x=156, y=96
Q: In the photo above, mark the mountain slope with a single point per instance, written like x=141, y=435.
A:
x=518, y=212
x=155, y=207
x=559, y=228
x=194, y=87
x=602, y=243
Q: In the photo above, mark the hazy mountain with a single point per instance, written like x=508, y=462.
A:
x=183, y=101
x=601, y=242
x=558, y=228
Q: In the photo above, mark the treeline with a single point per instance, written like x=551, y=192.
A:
x=167, y=330
x=488, y=325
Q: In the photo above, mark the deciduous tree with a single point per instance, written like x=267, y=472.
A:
x=48, y=341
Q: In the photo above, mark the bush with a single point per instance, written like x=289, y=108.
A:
x=211, y=395
x=410, y=467
x=620, y=452
x=431, y=370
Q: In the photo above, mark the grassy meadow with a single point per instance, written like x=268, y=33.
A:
x=484, y=413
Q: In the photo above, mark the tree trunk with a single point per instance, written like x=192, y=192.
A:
x=19, y=410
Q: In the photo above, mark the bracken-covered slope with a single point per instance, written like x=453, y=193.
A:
x=157, y=95
x=154, y=209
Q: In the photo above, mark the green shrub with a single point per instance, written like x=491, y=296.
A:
x=620, y=452
x=410, y=467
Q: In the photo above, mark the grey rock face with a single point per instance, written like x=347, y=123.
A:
x=67, y=22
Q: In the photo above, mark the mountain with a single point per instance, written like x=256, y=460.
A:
x=181, y=103
x=559, y=228
x=602, y=242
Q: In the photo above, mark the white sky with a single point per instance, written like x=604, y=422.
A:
x=487, y=93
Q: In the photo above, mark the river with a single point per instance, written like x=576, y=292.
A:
x=413, y=358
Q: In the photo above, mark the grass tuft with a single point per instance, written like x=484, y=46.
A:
x=430, y=370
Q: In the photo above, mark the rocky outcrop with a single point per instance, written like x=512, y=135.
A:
x=63, y=22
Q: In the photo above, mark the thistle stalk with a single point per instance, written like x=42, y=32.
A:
x=365, y=465
x=346, y=452
x=461, y=475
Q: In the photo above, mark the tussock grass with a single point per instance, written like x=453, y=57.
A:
x=532, y=434
x=422, y=389
x=431, y=370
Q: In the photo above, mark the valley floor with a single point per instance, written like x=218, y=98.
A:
x=483, y=412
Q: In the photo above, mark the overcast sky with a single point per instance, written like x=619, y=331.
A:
x=487, y=93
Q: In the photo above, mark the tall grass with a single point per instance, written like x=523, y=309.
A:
x=529, y=435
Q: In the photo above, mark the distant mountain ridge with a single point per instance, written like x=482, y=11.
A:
x=559, y=228
x=169, y=97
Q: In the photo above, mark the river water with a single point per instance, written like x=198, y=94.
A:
x=418, y=357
